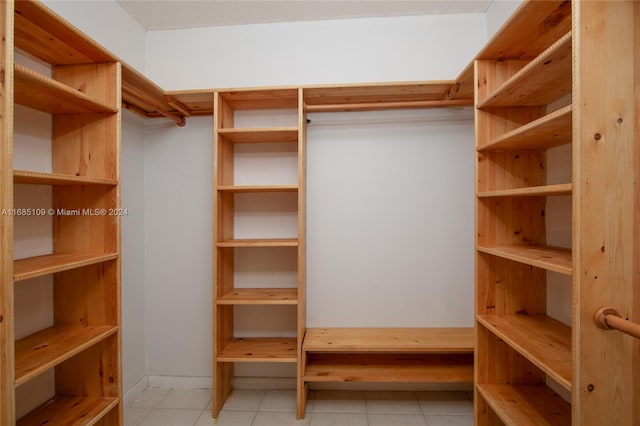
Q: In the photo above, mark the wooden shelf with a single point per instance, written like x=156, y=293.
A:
x=261, y=98
x=47, y=348
x=265, y=349
x=266, y=135
x=534, y=191
x=420, y=340
x=543, y=80
x=260, y=296
x=271, y=242
x=554, y=259
x=549, y=131
x=258, y=189
x=542, y=340
x=46, y=94
x=31, y=267
x=69, y=411
x=55, y=179
x=522, y=405
x=390, y=368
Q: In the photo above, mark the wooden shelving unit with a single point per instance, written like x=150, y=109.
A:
x=544, y=52
x=229, y=348
x=387, y=355
x=82, y=345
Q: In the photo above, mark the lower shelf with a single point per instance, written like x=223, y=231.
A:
x=526, y=405
x=69, y=411
x=47, y=348
x=396, y=368
x=264, y=349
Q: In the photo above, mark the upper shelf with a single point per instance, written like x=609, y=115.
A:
x=516, y=39
x=47, y=36
x=46, y=94
x=273, y=134
x=543, y=80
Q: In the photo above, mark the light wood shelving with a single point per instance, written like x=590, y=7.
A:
x=229, y=348
x=387, y=355
x=544, y=52
x=81, y=347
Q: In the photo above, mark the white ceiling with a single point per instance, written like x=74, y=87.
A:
x=172, y=14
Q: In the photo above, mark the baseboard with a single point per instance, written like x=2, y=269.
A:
x=135, y=390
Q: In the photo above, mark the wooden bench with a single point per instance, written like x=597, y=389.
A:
x=425, y=355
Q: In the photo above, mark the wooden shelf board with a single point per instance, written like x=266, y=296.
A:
x=70, y=411
x=390, y=368
x=522, y=405
x=56, y=179
x=554, y=259
x=258, y=189
x=419, y=340
x=551, y=130
x=535, y=191
x=544, y=341
x=545, y=79
x=44, y=34
x=31, y=267
x=265, y=135
x=271, y=242
x=376, y=93
x=260, y=296
x=49, y=347
x=46, y=94
x=264, y=349
x=516, y=40
x=261, y=98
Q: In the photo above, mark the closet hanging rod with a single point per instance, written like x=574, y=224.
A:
x=609, y=319
x=132, y=91
x=374, y=106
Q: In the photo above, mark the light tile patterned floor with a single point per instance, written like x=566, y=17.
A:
x=192, y=407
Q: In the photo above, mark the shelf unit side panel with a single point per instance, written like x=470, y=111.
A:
x=510, y=169
x=516, y=288
x=88, y=296
x=606, y=201
x=89, y=144
x=93, y=372
x=498, y=363
x=87, y=219
x=7, y=360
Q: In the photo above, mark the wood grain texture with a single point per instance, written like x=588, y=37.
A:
x=542, y=340
x=534, y=191
x=606, y=201
x=7, y=314
x=54, y=345
x=264, y=135
x=259, y=296
x=389, y=368
x=421, y=340
x=57, y=179
x=46, y=94
x=258, y=188
x=263, y=349
x=526, y=405
x=543, y=80
x=38, y=266
x=271, y=242
x=556, y=259
x=71, y=411
x=301, y=279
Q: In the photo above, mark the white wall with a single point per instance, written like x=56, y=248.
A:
x=421, y=163
x=340, y=51
x=498, y=13
x=108, y=24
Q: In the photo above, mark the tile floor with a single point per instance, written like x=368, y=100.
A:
x=167, y=407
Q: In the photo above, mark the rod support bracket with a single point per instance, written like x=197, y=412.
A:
x=601, y=317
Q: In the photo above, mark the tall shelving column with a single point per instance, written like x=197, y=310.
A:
x=523, y=355
x=229, y=246
x=74, y=361
x=523, y=109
